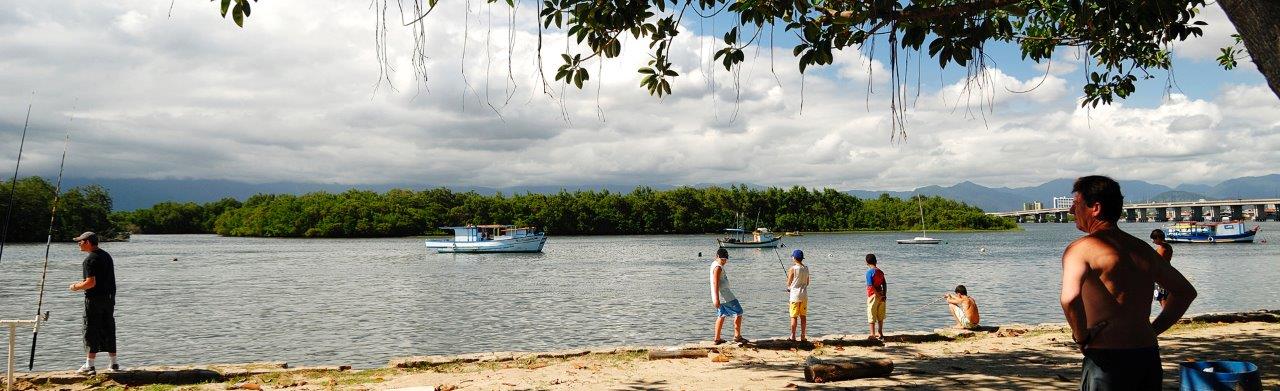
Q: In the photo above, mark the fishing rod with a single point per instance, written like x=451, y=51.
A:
x=780, y=263
x=13, y=184
x=48, y=242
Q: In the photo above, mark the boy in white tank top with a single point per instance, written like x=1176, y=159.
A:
x=798, y=286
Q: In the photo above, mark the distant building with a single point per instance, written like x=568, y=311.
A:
x=1062, y=202
x=1034, y=205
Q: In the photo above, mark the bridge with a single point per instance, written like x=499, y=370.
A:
x=1253, y=209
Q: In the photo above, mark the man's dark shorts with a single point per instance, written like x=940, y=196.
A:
x=100, y=324
x=1121, y=369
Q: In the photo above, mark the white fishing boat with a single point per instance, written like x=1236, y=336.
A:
x=490, y=239
x=924, y=237
x=740, y=238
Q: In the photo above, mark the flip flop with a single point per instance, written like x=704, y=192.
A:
x=718, y=341
x=739, y=339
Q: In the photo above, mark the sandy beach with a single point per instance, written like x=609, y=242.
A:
x=997, y=358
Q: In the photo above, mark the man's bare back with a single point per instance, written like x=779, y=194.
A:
x=1115, y=289
x=1106, y=286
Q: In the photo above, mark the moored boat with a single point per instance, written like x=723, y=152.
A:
x=739, y=238
x=920, y=240
x=1209, y=232
x=490, y=239
x=924, y=237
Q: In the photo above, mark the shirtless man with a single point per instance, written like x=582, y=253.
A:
x=1166, y=253
x=1106, y=277
x=963, y=308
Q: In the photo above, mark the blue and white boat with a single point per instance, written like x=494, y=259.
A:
x=490, y=239
x=1209, y=232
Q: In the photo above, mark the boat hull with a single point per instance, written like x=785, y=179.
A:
x=772, y=243
x=1246, y=237
x=920, y=241
x=524, y=244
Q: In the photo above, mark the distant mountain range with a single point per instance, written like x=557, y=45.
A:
x=130, y=194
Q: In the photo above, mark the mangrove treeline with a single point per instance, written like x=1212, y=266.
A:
x=644, y=210
x=84, y=208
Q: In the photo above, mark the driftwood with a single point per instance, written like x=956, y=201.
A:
x=822, y=372
x=681, y=353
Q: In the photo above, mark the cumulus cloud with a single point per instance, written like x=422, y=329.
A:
x=295, y=96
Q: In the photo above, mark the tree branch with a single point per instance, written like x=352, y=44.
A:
x=930, y=13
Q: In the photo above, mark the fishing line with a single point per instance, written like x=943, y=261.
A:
x=13, y=185
x=48, y=241
x=917, y=309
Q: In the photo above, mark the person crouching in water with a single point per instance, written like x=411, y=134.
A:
x=722, y=298
x=798, y=286
x=963, y=308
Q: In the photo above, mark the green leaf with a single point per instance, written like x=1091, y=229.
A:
x=226, y=4
x=647, y=71
x=237, y=15
x=244, y=5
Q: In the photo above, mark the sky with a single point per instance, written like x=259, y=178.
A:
x=145, y=91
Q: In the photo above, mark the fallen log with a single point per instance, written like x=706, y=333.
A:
x=821, y=372
x=681, y=353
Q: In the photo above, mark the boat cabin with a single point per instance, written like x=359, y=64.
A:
x=480, y=233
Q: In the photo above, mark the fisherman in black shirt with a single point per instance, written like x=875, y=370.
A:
x=99, y=286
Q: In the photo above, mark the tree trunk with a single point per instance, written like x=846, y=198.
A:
x=1258, y=22
x=822, y=372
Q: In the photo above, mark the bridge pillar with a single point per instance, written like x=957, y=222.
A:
x=1062, y=217
x=1197, y=213
x=1162, y=214
x=1260, y=212
x=1130, y=215
x=1142, y=214
x=1237, y=212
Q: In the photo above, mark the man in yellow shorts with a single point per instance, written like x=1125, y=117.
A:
x=798, y=285
x=877, y=293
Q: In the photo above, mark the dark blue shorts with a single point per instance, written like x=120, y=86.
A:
x=1121, y=369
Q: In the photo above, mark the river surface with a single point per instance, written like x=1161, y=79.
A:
x=200, y=299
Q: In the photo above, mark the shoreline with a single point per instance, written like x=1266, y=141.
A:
x=918, y=356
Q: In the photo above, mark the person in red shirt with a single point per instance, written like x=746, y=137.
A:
x=877, y=293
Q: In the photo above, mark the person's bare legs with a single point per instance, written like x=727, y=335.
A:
x=873, y=330
x=719, y=325
x=880, y=324
x=793, y=328
x=954, y=315
x=737, y=326
x=804, y=324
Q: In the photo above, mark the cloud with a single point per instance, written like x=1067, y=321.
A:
x=292, y=97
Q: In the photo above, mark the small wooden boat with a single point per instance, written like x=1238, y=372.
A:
x=1209, y=232
x=739, y=238
x=490, y=239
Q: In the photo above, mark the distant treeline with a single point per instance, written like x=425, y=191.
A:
x=85, y=208
x=683, y=210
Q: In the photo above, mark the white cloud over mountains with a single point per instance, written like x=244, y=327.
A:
x=291, y=97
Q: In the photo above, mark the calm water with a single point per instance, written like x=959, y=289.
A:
x=364, y=301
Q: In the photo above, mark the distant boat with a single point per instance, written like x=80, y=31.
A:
x=490, y=239
x=739, y=238
x=793, y=233
x=1209, y=232
x=923, y=238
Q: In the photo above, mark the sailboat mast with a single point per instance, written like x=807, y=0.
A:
x=921, y=203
